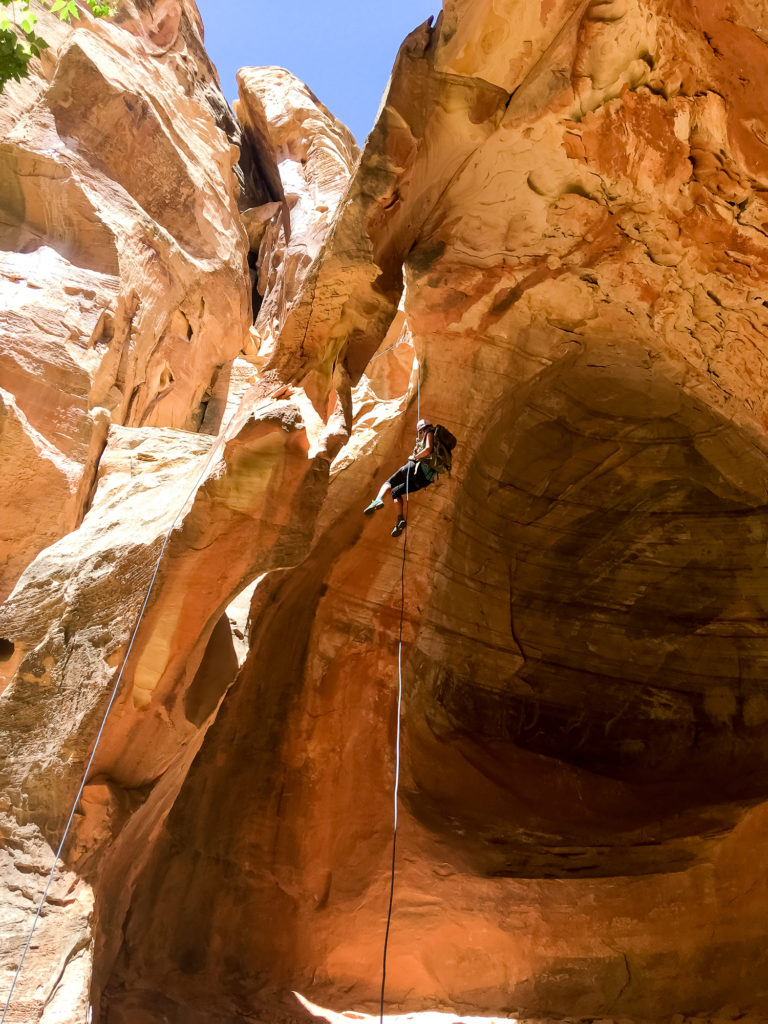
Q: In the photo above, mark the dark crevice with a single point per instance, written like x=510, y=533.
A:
x=256, y=297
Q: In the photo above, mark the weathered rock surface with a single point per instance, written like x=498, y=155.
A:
x=565, y=203
x=315, y=155
x=122, y=254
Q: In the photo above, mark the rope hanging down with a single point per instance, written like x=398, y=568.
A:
x=214, y=449
x=397, y=731
x=397, y=764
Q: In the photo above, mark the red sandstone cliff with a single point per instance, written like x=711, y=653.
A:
x=561, y=212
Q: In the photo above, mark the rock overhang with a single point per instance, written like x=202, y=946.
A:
x=579, y=230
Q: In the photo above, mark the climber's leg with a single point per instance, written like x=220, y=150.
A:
x=399, y=526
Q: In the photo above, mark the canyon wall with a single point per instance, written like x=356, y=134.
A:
x=216, y=339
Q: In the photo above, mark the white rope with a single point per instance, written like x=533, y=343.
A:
x=380, y=354
x=214, y=449
x=397, y=767
x=418, y=391
x=399, y=703
x=397, y=731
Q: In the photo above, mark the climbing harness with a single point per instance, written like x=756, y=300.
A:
x=214, y=450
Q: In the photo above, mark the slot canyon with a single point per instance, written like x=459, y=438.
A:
x=218, y=329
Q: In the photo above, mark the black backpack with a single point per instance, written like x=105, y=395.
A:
x=443, y=443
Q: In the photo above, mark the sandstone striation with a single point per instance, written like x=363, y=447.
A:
x=315, y=155
x=560, y=212
x=122, y=255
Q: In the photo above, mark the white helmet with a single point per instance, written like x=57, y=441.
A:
x=424, y=425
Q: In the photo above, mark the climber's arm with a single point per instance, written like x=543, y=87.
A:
x=426, y=451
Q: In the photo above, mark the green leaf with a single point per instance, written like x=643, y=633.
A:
x=15, y=53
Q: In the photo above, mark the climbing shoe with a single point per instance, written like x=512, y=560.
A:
x=399, y=526
x=375, y=505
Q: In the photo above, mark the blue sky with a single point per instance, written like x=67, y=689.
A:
x=342, y=49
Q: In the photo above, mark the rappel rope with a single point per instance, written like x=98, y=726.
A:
x=397, y=730
x=397, y=765
x=113, y=696
x=214, y=449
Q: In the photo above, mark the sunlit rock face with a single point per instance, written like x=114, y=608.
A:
x=121, y=254
x=123, y=293
x=296, y=160
x=559, y=212
x=315, y=155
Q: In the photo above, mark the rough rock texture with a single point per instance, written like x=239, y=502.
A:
x=561, y=211
x=122, y=254
x=123, y=278
x=304, y=157
x=315, y=154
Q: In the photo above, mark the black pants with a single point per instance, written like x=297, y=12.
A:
x=411, y=474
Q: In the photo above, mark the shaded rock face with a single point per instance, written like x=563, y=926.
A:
x=622, y=584
x=560, y=213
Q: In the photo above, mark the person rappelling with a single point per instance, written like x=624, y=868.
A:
x=431, y=455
